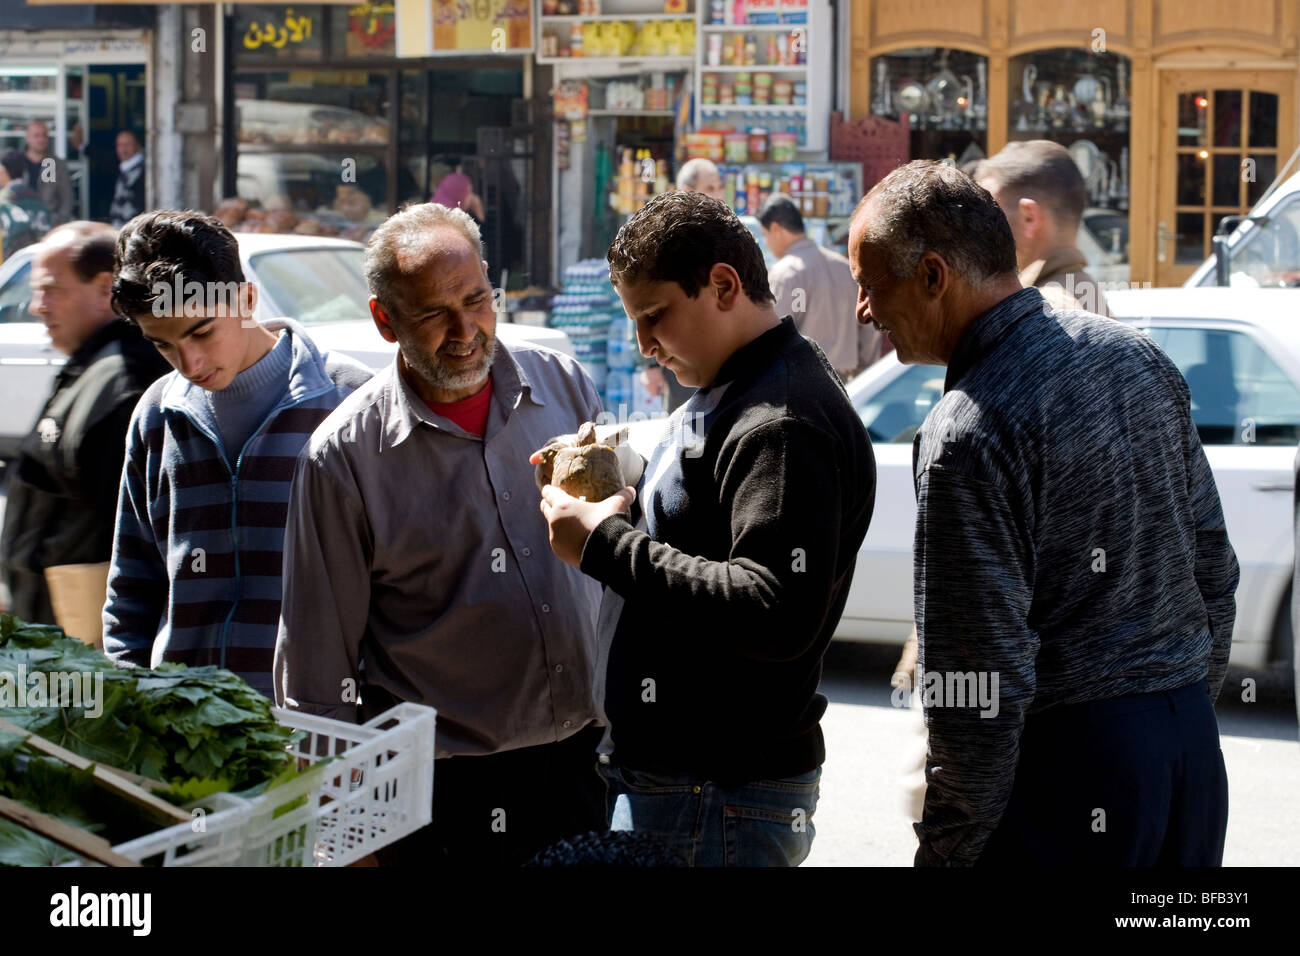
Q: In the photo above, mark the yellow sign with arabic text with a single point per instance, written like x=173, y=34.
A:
x=429, y=27
x=277, y=32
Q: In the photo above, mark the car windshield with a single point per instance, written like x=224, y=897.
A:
x=315, y=285
x=894, y=413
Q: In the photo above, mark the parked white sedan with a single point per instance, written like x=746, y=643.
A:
x=1239, y=350
x=318, y=281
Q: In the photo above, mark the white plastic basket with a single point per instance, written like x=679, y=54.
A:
x=376, y=790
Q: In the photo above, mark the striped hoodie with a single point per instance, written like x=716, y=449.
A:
x=196, y=565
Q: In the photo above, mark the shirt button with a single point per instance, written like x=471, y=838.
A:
x=505, y=496
x=695, y=789
x=528, y=552
x=546, y=609
x=567, y=724
x=559, y=668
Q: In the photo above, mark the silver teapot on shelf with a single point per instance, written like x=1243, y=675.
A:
x=944, y=91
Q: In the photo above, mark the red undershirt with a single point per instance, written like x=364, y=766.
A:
x=469, y=413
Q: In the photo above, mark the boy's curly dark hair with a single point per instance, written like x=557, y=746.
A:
x=678, y=237
x=168, y=245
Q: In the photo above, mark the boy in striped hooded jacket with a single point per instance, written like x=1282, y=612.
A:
x=196, y=566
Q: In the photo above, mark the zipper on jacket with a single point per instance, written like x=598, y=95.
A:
x=234, y=506
x=234, y=496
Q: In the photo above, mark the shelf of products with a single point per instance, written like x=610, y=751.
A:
x=610, y=17
x=766, y=14
x=823, y=191
x=651, y=94
x=639, y=178
x=754, y=73
x=585, y=38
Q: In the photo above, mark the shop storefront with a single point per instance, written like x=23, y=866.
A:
x=82, y=71
x=641, y=86
x=1178, y=114
x=332, y=127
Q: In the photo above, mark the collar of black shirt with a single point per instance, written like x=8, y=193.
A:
x=982, y=335
x=756, y=354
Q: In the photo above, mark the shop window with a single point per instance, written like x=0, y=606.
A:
x=311, y=154
x=1080, y=99
x=312, y=107
x=944, y=92
x=1226, y=156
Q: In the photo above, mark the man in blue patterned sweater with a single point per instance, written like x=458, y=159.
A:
x=210, y=454
x=1074, y=580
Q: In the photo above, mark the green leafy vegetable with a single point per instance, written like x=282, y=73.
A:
x=200, y=729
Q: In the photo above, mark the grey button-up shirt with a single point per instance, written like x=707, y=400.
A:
x=417, y=561
x=1069, y=543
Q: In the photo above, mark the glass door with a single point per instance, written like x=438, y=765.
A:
x=1223, y=138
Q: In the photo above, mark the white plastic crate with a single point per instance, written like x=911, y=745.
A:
x=376, y=790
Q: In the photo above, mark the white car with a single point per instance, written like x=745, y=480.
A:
x=1239, y=350
x=318, y=281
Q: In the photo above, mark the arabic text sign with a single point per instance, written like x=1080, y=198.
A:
x=278, y=31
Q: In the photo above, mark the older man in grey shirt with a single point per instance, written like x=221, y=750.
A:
x=1074, y=580
x=417, y=565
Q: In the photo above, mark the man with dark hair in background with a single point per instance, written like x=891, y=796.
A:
x=24, y=218
x=1042, y=194
x=1074, y=580
x=755, y=502
x=815, y=286
x=58, y=530
x=128, y=190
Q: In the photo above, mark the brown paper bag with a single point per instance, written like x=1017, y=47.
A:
x=77, y=594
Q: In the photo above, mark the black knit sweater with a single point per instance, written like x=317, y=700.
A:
x=733, y=593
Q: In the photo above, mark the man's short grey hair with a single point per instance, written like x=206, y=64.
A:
x=929, y=206
x=410, y=229
x=689, y=175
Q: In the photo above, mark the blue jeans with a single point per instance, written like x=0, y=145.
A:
x=761, y=823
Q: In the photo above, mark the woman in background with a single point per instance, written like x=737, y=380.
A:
x=456, y=191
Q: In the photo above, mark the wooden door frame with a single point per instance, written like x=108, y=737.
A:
x=1163, y=156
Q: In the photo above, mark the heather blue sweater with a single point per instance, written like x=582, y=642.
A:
x=198, y=547
x=1069, y=542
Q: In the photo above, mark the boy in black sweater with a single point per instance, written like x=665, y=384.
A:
x=754, y=506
